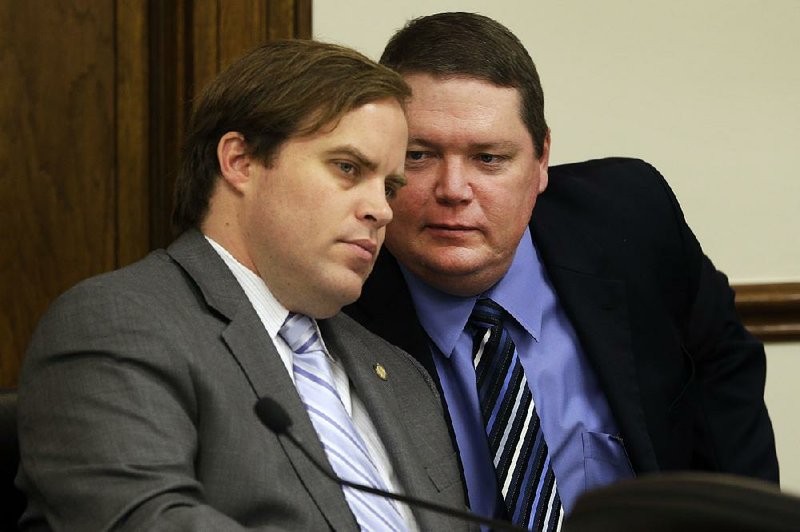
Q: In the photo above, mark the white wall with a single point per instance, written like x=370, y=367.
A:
x=783, y=368
x=706, y=90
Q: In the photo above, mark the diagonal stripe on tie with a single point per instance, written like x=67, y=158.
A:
x=346, y=451
x=524, y=476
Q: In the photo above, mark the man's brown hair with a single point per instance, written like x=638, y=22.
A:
x=470, y=45
x=279, y=90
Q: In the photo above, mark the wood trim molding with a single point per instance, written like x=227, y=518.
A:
x=770, y=311
x=302, y=19
x=191, y=41
x=132, y=190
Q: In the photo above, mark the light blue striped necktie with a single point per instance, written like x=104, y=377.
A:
x=516, y=442
x=346, y=451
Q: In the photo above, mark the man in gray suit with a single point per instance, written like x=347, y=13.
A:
x=137, y=393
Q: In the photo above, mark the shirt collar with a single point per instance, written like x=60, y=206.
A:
x=268, y=308
x=270, y=311
x=517, y=291
x=444, y=316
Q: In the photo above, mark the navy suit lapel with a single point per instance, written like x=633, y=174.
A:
x=261, y=365
x=598, y=309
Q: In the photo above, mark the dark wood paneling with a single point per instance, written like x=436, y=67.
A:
x=205, y=43
x=281, y=20
x=57, y=183
x=302, y=19
x=132, y=132
x=168, y=64
x=93, y=104
x=242, y=25
x=770, y=311
x=190, y=42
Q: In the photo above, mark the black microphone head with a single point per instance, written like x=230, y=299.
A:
x=272, y=415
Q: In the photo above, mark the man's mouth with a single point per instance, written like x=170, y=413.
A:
x=364, y=247
x=452, y=229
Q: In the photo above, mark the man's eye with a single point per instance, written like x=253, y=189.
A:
x=488, y=158
x=393, y=186
x=415, y=155
x=347, y=168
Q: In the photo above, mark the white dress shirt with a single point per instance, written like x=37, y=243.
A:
x=272, y=315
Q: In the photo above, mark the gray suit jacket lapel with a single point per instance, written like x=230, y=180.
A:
x=262, y=367
x=381, y=399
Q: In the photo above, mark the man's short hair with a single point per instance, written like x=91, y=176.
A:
x=457, y=44
x=280, y=90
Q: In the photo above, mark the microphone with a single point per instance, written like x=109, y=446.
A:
x=273, y=416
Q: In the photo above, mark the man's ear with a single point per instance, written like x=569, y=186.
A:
x=234, y=161
x=544, y=163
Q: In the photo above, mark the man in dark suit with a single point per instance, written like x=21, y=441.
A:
x=136, y=401
x=576, y=329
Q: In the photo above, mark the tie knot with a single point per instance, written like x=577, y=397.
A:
x=300, y=333
x=486, y=314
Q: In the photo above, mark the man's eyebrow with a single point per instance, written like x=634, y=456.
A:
x=417, y=142
x=356, y=154
x=398, y=179
x=500, y=145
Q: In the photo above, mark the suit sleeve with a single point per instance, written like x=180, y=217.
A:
x=733, y=429
x=107, y=421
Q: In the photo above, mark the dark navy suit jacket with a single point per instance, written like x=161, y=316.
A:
x=657, y=321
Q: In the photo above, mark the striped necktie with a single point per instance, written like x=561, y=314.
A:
x=516, y=442
x=346, y=451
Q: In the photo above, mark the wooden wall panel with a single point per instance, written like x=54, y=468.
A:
x=132, y=132
x=280, y=20
x=205, y=43
x=770, y=311
x=302, y=19
x=94, y=98
x=242, y=25
x=192, y=41
x=57, y=195
x=168, y=67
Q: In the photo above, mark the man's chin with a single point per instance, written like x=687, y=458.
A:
x=338, y=288
x=461, y=274
x=455, y=262
x=349, y=290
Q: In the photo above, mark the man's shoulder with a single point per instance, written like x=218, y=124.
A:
x=606, y=171
x=139, y=295
x=147, y=278
x=156, y=277
x=603, y=163
x=611, y=185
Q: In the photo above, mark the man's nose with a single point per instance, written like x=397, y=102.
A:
x=452, y=183
x=374, y=206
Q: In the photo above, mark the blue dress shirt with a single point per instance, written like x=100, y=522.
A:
x=581, y=433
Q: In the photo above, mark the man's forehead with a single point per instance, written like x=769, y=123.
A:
x=461, y=94
x=466, y=111
x=454, y=79
x=321, y=121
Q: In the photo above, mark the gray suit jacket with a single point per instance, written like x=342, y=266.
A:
x=136, y=410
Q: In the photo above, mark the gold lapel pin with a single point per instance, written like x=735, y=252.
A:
x=380, y=371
